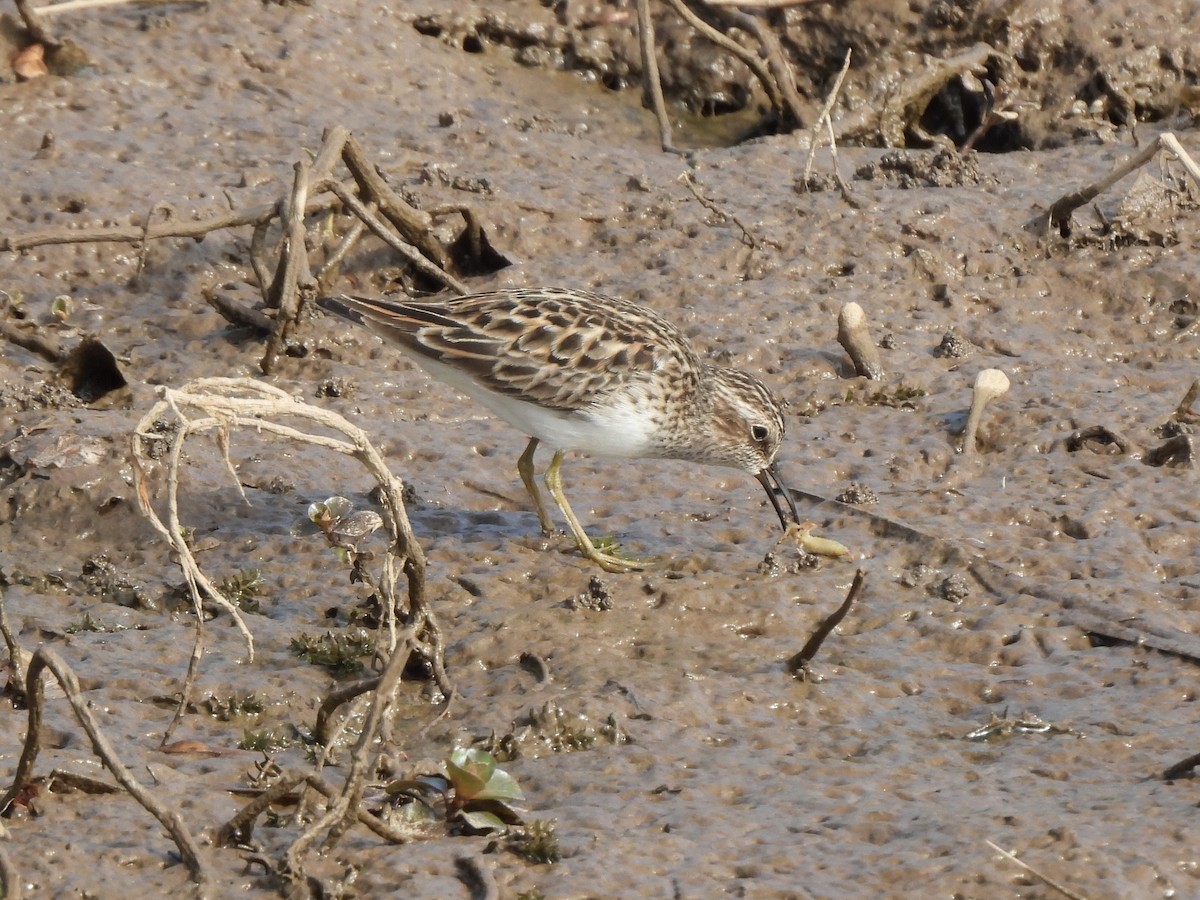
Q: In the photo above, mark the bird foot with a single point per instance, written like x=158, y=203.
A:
x=607, y=554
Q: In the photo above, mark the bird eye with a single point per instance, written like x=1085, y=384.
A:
x=759, y=432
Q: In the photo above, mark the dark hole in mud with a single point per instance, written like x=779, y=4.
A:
x=475, y=254
x=957, y=112
x=428, y=27
x=91, y=371
x=472, y=44
x=724, y=103
x=612, y=81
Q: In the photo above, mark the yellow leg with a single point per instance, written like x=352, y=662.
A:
x=525, y=467
x=606, y=561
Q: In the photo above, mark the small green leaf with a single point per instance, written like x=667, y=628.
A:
x=470, y=771
x=501, y=786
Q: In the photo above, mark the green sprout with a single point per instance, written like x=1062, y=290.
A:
x=473, y=795
x=243, y=589
x=537, y=842
x=235, y=706
x=87, y=623
x=261, y=741
x=340, y=653
x=61, y=307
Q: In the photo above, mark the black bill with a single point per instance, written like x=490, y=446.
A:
x=776, y=490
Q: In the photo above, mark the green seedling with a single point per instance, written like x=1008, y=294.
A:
x=342, y=654
x=473, y=795
x=87, y=623
x=235, y=706
x=536, y=841
x=261, y=741
x=244, y=589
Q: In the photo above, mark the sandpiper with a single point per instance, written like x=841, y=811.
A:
x=578, y=371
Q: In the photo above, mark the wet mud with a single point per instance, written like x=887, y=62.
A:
x=1020, y=668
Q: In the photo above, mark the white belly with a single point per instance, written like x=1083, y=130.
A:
x=624, y=429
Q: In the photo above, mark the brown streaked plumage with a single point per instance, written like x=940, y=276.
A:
x=579, y=371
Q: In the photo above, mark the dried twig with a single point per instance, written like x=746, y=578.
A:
x=76, y=5
x=293, y=278
x=237, y=831
x=824, y=119
x=1059, y=216
x=1184, y=409
x=10, y=641
x=1045, y=879
x=1181, y=769
x=10, y=878
x=777, y=64
x=747, y=237
x=896, y=117
x=224, y=404
x=747, y=56
x=381, y=230
x=287, y=281
x=758, y=4
x=47, y=658
x=38, y=30
x=798, y=664
x=345, y=809
x=652, y=94
x=132, y=234
x=333, y=701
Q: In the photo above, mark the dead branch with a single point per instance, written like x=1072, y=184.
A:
x=286, y=281
x=16, y=654
x=132, y=234
x=345, y=809
x=900, y=114
x=652, y=94
x=775, y=74
x=76, y=5
x=10, y=879
x=1182, y=769
x=293, y=278
x=238, y=313
x=823, y=118
x=385, y=234
x=792, y=108
x=748, y=58
x=238, y=830
x=758, y=4
x=477, y=876
x=46, y=658
x=412, y=224
x=798, y=664
x=1045, y=879
x=1184, y=409
x=38, y=30
x=222, y=405
x=333, y=701
x=1059, y=216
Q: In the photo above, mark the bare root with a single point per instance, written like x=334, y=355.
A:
x=46, y=658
